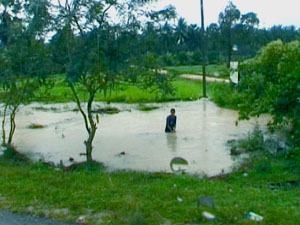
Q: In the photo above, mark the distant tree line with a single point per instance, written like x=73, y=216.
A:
x=181, y=43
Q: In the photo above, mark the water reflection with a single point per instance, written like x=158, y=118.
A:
x=179, y=165
x=172, y=141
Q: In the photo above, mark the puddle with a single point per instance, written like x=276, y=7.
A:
x=202, y=132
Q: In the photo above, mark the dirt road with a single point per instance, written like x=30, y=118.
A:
x=200, y=77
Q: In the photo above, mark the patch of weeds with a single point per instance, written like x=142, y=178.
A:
x=293, y=154
x=75, y=110
x=225, y=95
x=12, y=155
x=285, y=185
x=44, y=109
x=292, y=159
x=92, y=166
x=106, y=110
x=264, y=167
x=137, y=219
x=36, y=126
x=253, y=142
x=224, y=73
x=143, y=107
x=43, y=166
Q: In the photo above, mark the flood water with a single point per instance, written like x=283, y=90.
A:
x=203, y=130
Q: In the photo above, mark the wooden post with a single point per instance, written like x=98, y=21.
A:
x=203, y=43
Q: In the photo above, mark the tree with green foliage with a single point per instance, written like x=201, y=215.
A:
x=24, y=57
x=213, y=40
x=227, y=20
x=244, y=36
x=181, y=31
x=98, y=54
x=270, y=83
x=166, y=38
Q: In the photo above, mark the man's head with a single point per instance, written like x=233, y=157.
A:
x=172, y=111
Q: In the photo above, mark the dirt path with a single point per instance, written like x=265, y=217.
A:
x=8, y=218
x=200, y=77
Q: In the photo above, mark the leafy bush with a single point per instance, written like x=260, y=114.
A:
x=255, y=140
x=224, y=73
x=168, y=60
x=270, y=82
x=196, y=56
x=213, y=57
x=12, y=155
x=183, y=58
x=225, y=95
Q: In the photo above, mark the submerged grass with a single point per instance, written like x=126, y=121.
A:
x=36, y=126
x=143, y=107
x=150, y=198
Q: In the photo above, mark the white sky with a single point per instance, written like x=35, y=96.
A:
x=269, y=12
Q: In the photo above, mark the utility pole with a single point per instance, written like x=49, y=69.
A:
x=203, y=43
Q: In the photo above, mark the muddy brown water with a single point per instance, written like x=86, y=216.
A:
x=203, y=130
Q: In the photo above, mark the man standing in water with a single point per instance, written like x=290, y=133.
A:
x=171, y=122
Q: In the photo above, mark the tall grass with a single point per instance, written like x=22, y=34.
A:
x=225, y=95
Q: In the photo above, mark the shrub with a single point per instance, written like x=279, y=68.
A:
x=270, y=82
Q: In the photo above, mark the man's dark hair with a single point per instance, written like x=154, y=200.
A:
x=172, y=110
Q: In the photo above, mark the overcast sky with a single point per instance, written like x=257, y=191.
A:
x=269, y=12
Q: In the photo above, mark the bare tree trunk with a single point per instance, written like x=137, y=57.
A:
x=92, y=131
x=90, y=125
x=12, y=125
x=3, y=126
x=89, y=144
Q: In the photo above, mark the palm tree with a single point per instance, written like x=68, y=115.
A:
x=181, y=31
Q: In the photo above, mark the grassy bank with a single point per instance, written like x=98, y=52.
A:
x=151, y=198
x=184, y=90
x=212, y=69
x=224, y=95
